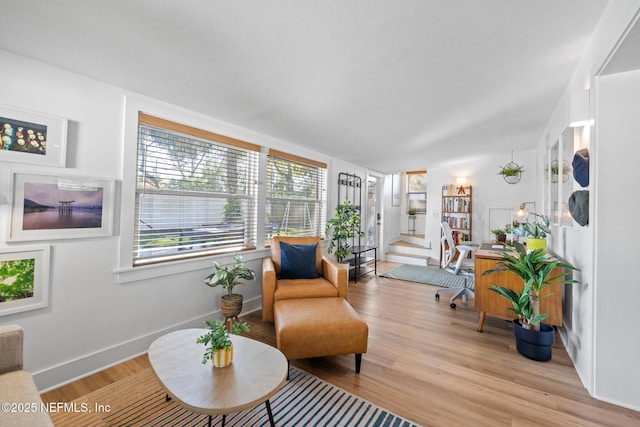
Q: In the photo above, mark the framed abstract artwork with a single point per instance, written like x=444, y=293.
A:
x=45, y=207
x=30, y=137
x=24, y=278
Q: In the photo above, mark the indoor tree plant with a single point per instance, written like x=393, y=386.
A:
x=537, y=232
x=343, y=227
x=217, y=341
x=535, y=268
x=228, y=277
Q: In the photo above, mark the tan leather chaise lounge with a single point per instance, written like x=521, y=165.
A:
x=312, y=316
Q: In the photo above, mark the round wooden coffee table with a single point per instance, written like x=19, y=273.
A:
x=257, y=373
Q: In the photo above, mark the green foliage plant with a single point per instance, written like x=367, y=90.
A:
x=498, y=231
x=539, y=228
x=344, y=226
x=534, y=268
x=229, y=276
x=511, y=171
x=218, y=338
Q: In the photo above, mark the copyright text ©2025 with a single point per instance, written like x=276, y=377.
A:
x=78, y=407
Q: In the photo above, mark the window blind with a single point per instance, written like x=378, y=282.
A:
x=417, y=191
x=296, y=196
x=195, y=195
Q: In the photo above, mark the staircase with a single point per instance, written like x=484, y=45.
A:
x=409, y=249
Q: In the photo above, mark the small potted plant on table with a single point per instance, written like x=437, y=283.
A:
x=228, y=277
x=501, y=235
x=535, y=268
x=217, y=341
x=537, y=231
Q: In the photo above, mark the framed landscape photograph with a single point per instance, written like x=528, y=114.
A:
x=24, y=278
x=30, y=137
x=47, y=207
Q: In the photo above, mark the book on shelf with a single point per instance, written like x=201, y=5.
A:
x=456, y=222
x=449, y=190
x=457, y=204
x=460, y=237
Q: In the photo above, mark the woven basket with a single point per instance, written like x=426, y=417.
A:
x=231, y=305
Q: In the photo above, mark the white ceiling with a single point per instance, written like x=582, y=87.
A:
x=388, y=85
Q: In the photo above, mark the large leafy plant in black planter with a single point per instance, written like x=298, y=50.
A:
x=535, y=269
x=343, y=228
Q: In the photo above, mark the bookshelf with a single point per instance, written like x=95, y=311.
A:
x=457, y=211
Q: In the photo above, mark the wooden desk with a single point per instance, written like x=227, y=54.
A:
x=489, y=302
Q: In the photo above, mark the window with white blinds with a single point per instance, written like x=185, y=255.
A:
x=296, y=191
x=417, y=191
x=195, y=192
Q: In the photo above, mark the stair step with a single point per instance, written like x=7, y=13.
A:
x=406, y=244
x=407, y=258
x=408, y=255
x=417, y=236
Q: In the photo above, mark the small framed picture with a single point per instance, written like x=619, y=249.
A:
x=24, y=278
x=30, y=137
x=45, y=207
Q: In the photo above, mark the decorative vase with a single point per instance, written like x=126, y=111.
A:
x=221, y=358
x=535, y=345
x=231, y=305
x=536, y=243
x=501, y=238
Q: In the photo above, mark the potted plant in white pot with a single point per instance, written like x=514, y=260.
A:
x=537, y=232
x=228, y=277
x=343, y=228
x=535, y=268
x=217, y=341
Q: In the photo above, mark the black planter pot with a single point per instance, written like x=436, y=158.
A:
x=535, y=345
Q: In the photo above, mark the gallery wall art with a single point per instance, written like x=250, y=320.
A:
x=31, y=137
x=24, y=278
x=45, y=207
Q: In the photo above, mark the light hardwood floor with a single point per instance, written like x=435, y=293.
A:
x=427, y=362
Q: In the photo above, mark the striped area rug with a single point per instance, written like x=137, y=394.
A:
x=304, y=400
x=429, y=275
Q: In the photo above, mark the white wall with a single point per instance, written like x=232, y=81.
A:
x=489, y=190
x=600, y=309
x=617, y=377
x=92, y=319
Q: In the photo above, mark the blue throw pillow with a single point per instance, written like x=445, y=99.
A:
x=298, y=261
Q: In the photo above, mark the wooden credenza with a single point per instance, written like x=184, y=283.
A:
x=491, y=303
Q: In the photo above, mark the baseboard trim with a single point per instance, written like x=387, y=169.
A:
x=72, y=370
